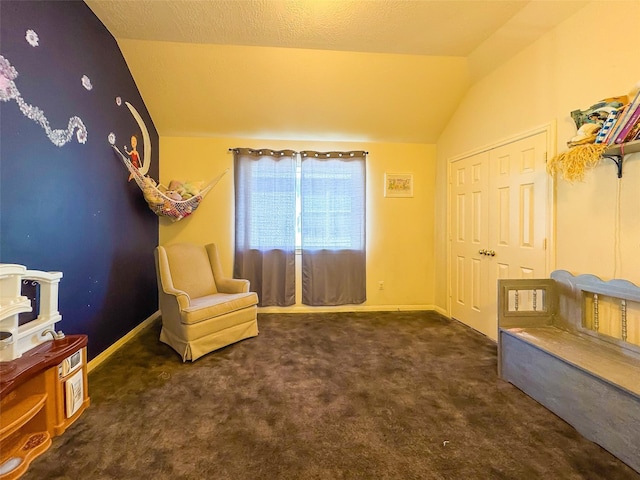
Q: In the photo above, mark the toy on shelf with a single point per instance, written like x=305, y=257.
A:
x=610, y=123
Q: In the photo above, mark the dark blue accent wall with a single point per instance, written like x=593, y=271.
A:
x=71, y=208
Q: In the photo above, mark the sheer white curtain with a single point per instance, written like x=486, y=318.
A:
x=265, y=186
x=333, y=199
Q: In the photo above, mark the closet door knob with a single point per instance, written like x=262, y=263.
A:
x=482, y=252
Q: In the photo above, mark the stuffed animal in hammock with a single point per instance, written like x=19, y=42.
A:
x=186, y=189
x=150, y=192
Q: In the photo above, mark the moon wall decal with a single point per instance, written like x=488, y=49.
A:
x=146, y=141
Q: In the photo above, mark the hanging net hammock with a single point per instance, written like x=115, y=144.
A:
x=157, y=195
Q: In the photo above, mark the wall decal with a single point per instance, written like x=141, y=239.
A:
x=32, y=38
x=9, y=91
x=86, y=82
x=143, y=167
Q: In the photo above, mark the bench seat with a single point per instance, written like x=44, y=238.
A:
x=601, y=359
x=591, y=381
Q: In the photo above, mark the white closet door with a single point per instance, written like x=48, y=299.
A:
x=469, y=213
x=518, y=213
x=498, y=226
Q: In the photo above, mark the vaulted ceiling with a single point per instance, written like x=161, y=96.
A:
x=369, y=70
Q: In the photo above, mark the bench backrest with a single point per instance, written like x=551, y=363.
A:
x=609, y=310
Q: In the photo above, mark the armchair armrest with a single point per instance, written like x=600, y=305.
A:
x=183, y=298
x=232, y=285
x=224, y=284
x=166, y=283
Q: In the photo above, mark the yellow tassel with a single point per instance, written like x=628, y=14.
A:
x=572, y=165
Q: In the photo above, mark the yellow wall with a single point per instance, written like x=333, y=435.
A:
x=580, y=62
x=399, y=230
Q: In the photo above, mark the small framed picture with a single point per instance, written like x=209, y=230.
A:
x=398, y=185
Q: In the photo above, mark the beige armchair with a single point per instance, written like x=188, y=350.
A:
x=202, y=310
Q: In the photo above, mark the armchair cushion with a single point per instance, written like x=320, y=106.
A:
x=211, y=306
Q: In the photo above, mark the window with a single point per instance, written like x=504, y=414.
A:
x=268, y=201
x=313, y=202
x=332, y=202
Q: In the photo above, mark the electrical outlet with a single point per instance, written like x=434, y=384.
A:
x=381, y=285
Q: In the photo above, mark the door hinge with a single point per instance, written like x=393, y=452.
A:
x=544, y=244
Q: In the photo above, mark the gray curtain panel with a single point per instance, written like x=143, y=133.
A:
x=333, y=225
x=271, y=273
x=333, y=277
x=265, y=207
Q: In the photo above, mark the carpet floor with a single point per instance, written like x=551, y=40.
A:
x=384, y=395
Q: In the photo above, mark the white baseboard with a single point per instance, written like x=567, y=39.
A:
x=441, y=311
x=117, y=345
x=351, y=308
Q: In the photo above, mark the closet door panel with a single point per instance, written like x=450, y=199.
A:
x=517, y=217
x=469, y=235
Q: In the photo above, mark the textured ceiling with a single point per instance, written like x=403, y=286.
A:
x=411, y=27
x=482, y=33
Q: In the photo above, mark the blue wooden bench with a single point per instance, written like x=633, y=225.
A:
x=552, y=346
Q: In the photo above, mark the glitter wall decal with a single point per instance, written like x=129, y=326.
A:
x=9, y=91
x=86, y=82
x=32, y=38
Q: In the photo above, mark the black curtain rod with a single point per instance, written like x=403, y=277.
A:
x=293, y=151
